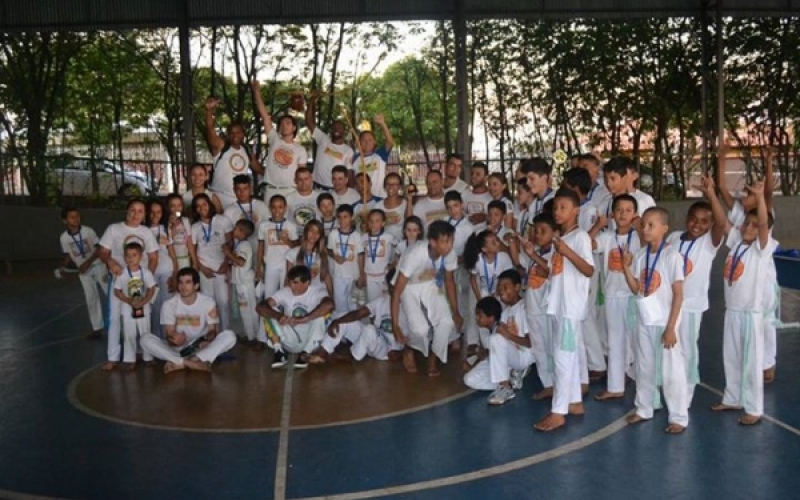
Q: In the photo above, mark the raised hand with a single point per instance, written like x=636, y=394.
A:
x=627, y=258
x=211, y=103
x=379, y=119
x=757, y=188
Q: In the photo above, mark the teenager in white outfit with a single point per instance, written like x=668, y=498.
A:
x=276, y=236
x=378, y=254
x=191, y=327
x=135, y=288
x=247, y=207
x=210, y=232
x=112, y=253
x=243, y=279
x=79, y=244
x=198, y=184
x=167, y=262
x=655, y=275
x=344, y=248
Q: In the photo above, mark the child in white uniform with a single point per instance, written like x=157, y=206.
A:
x=413, y=231
x=378, y=253
x=167, y=262
x=464, y=229
x=246, y=207
x=619, y=302
x=276, y=236
x=510, y=353
x=655, y=275
x=570, y=274
x=135, y=288
x=180, y=231
x=426, y=287
x=312, y=253
x=243, y=279
x=344, y=248
x=210, y=232
x=79, y=245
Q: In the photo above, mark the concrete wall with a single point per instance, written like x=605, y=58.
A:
x=31, y=233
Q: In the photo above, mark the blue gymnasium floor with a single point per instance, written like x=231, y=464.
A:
x=53, y=445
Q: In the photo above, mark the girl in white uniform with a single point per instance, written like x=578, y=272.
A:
x=394, y=205
x=167, y=262
x=378, y=254
x=312, y=253
x=198, y=184
x=210, y=232
x=180, y=231
x=413, y=231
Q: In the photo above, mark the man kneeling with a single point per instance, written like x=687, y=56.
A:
x=191, y=323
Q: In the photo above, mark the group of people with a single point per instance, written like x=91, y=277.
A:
x=586, y=282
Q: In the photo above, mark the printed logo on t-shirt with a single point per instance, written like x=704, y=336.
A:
x=367, y=165
x=304, y=214
x=386, y=324
x=557, y=264
x=284, y=157
x=237, y=162
x=351, y=248
x=615, y=260
x=329, y=151
x=475, y=207
x=299, y=312
x=133, y=238
x=393, y=218
x=737, y=273
x=654, y=283
x=274, y=236
x=689, y=267
x=435, y=215
x=535, y=281
x=188, y=320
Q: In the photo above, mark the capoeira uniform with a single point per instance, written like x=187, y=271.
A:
x=301, y=209
x=193, y=320
x=269, y=232
x=486, y=274
x=567, y=304
x=595, y=336
x=114, y=240
x=299, y=338
x=80, y=246
x=430, y=210
x=281, y=165
x=349, y=197
x=504, y=355
x=208, y=240
x=313, y=262
x=255, y=211
x=424, y=299
x=134, y=284
x=698, y=256
x=539, y=323
x=188, y=197
x=394, y=218
x=378, y=253
x=464, y=229
x=164, y=272
x=619, y=304
x=344, y=276
x=476, y=204
x=328, y=156
x=244, y=289
x=743, y=337
x=656, y=365
x=373, y=164
x=229, y=162
x=180, y=234
x=375, y=339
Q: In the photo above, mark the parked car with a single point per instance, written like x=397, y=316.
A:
x=73, y=177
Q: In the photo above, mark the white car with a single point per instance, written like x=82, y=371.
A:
x=73, y=177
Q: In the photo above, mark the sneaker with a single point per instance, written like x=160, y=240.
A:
x=517, y=377
x=501, y=395
x=279, y=360
x=301, y=362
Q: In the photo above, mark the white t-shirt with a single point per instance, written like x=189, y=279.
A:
x=611, y=246
x=298, y=306
x=228, y=165
x=464, y=230
x=361, y=210
x=165, y=266
x=255, y=211
x=188, y=197
x=313, y=262
x=459, y=186
x=509, y=205
x=283, y=160
x=374, y=165
x=430, y=210
x=569, y=289
x=347, y=198
x=487, y=272
x=518, y=315
x=192, y=320
x=300, y=209
x=394, y=218
x=181, y=234
x=328, y=156
x=598, y=194
x=417, y=265
x=378, y=253
x=80, y=246
x=209, y=239
x=134, y=284
x=476, y=203
x=697, y=256
x=538, y=203
x=744, y=275
x=329, y=225
x=270, y=232
x=643, y=201
x=654, y=300
x=538, y=287
x=243, y=275
x=347, y=246
x=587, y=216
x=119, y=234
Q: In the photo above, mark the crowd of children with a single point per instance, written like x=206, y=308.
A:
x=583, y=282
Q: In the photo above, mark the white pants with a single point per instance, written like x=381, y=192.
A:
x=771, y=320
x=657, y=366
x=376, y=287
x=223, y=342
x=342, y=295
x=504, y=356
x=162, y=294
x=246, y=300
x=743, y=355
x=620, y=316
x=369, y=341
x=567, y=347
x=132, y=330
x=114, y=350
x=541, y=327
x=296, y=339
x=95, y=276
x=475, y=335
x=217, y=289
x=689, y=333
x=423, y=304
x=274, y=276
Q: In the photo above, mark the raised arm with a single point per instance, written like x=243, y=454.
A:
x=311, y=112
x=266, y=118
x=726, y=195
x=215, y=142
x=769, y=177
x=763, y=218
x=381, y=122
x=721, y=225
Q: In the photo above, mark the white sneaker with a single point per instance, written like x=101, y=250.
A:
x=501, y=395
x=517, y=377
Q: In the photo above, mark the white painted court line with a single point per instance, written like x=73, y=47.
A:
x=51, y=320
x=282, y=463
x=768, y=418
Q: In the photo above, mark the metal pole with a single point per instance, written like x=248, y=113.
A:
x=720, y=82
x=463, y=143
x=187, y=100
x=705, y=78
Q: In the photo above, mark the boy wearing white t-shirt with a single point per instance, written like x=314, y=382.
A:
x=510, y=353
x=276, y=236
x=243, y=279
x=427, y=290
x=246, y=207
x=294, y=317
x=655, y=276
x=79, y=246
x=191, y=327
x=464, y=229
x=378, y=253
x=135, y=288
x=345, y=246
x=571, y=271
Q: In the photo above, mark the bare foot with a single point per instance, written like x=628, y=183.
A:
x=318, y=358
x=769, y=375
x=545, y=393
x=551, y=422
x=748, y=419
x=636, y=419
x=576, y=409
x=130, y=367
x=433, y=369
x=409, y=362
x=170, y=367
x=395, y=355
x=109, y=366
x=196, y=364
x=605, y=396
x=674, y=429
x=724, y=407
